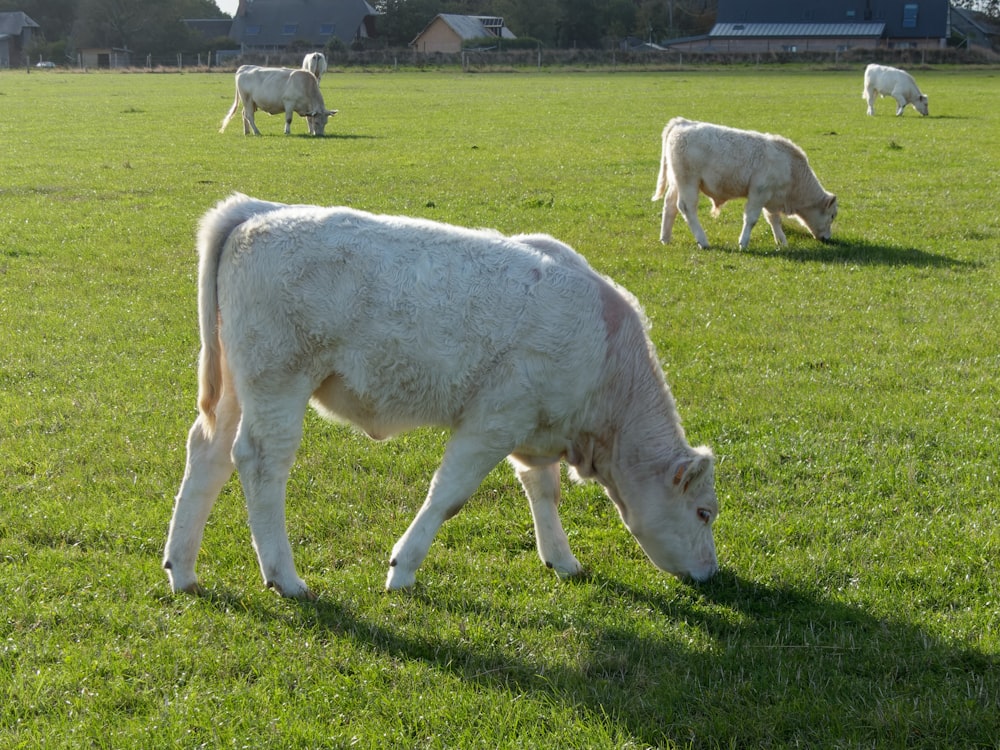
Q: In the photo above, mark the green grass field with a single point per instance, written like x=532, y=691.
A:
x=850, y=391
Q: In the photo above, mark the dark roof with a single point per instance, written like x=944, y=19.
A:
x=274, y=24
x=12, y=24
x=930, y=19
x=210, y=28
x=796, y=30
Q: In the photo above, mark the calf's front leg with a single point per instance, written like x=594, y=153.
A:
x=774, y=219
x=687, y=204
x=542, y=486
x=467, y=460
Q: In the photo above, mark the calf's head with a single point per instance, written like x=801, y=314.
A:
x=671, y=512
x=921, y=105
x=818, y=217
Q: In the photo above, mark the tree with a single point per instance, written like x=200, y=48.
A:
x=990, y=8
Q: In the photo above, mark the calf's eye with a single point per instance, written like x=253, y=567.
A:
x=705, y=515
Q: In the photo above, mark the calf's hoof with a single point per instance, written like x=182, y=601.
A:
x=399, y=580
x=294, y=590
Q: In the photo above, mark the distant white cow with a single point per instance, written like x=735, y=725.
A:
x=275, y=90
x=513, y=343
x=315, y=63
x=771, y=172
x=881, y=80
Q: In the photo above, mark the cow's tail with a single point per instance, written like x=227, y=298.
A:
x=231, y=112
x=213, y=231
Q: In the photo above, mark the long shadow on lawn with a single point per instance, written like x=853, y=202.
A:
x=782, y=667
x=859, y=253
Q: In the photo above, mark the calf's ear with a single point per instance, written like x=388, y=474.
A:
x=692, y=468
x=830, y=201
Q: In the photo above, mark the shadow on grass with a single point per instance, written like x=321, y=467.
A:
x=738, y=663
x=857, y=253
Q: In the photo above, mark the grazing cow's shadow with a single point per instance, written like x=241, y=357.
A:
x=805, y=668
x=856, y=253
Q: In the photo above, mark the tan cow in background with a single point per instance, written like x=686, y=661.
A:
x=275, y=90
x=771, y=172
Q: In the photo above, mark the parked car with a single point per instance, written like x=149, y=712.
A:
x=45, y=64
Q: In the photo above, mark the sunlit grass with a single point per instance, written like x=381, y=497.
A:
x=850, y=391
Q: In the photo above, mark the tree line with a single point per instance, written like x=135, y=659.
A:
x=155, y=26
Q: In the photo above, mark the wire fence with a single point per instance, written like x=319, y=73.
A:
x=498, y=60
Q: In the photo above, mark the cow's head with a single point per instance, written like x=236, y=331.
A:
x=921, y=105
x=317, y=120
x=671, y=512
x=818, y=218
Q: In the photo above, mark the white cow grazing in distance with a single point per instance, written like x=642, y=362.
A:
x=513, y=343
x=275, y=90
x=881, y=80
x=771, y=172
x=315, y=63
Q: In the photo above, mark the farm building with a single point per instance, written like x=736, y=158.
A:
x=276, y=25
x=448, y=32
x=104, y=57
x=16, y=31
x=824, y=26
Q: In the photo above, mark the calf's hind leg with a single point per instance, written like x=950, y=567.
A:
x=669, y=214
x=209, y=466
x=268, y=437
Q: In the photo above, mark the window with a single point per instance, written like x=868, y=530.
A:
x=910, y=16
x=252, y=29
x=289, y=29
x=326, y=29
x=852, y=14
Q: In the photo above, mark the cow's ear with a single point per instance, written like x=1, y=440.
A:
x=692, y=468
x=830, y=201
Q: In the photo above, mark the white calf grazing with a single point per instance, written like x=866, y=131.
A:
x=513, y=343
x=315, y=63
x=771, y=172
x=275, y=90
x=881, y=80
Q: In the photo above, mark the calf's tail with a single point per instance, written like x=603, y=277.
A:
x=213, y=231
x=662, y=180
x=231, y=112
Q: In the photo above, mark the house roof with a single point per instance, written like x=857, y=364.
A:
x=796, y=30
x=11, y=24
x=278, y=23
x=901, y=18
x=472, y=27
